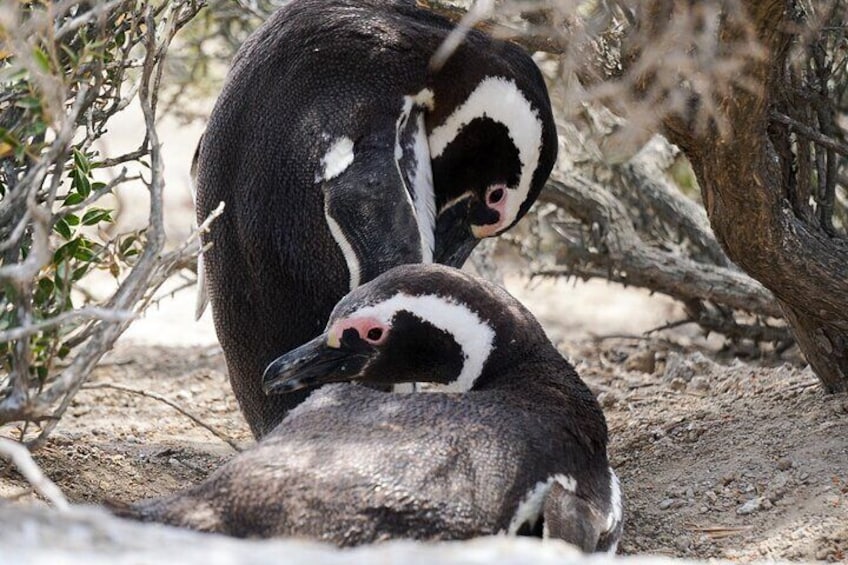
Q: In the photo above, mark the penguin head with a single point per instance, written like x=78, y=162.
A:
x=491, y=153
x=414, y=323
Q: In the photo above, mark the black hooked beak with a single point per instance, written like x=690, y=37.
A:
x=313, y=363
x=454, y=240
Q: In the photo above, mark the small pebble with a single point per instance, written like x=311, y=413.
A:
x=676, y=367
x=699, y=384
x=682, y=543
x=751, y=506
x=677, y=384
x=666, y=504
x=642, y=361
x=784, y=464
x=607, y=399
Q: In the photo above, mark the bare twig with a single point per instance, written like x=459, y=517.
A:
x=218, y=434
x=21, y=458
x=88, y=313
x=812, y=134
x=481, y=10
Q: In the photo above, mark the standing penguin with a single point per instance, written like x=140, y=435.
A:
x=522, y=451
x=338, y=155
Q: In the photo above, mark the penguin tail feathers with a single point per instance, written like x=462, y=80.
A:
x=578, y=521
x=121, y=509
x=180, y=511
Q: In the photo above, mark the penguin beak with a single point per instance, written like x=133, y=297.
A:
x=454, y=240
x=313, y=363
x=454, y=254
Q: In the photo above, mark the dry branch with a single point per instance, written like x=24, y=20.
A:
x=30, y=199
x=21, y=458
x=623, y=257
x=211, y=429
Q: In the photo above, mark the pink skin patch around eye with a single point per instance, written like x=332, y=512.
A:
x=496, y=196
x=369, y=329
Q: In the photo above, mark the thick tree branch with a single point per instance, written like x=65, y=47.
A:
x=623, y=256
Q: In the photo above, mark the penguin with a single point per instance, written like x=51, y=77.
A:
x=339, y=153
x=513, y=441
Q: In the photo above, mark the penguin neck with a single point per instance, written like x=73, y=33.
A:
x=543, y=370
x=525, y=366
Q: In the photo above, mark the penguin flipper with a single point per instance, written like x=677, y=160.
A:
x=572, y=518
x=370, y=214
x=202, y=299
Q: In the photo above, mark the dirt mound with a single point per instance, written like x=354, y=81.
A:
x=733, y=461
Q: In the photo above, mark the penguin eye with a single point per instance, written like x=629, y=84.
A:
x=375, y=335
x=495, y=196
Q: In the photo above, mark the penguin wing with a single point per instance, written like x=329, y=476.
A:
x=202, y=294
x=369, y=207
x=412, y=156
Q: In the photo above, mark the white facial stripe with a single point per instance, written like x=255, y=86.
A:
x=530, y=508
x=424, y=205
x=337, y=159
x=500, y=100
x=347, y=249
x=473, y=335
x=425, y=199
x=455, y=201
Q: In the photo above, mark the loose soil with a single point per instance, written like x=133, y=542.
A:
x=718, y=457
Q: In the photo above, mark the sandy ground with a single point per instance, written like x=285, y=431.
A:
x=718, y=457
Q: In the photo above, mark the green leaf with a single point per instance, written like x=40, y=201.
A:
x=44, y=291
x=72, y=199
x=81, y=162
x=83, y=253
x=29, y=103
x=71, y=54
x=95, y=216
x=125, y=245
x=45, y=284
x=79, y=273
x=37, y=127
x=63, y=229
x=72, y=219
x=81, y=183
x=41, y=58
x=65, y=252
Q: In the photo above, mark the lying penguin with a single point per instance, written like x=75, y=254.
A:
x=339, y=153
x=522, y=451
